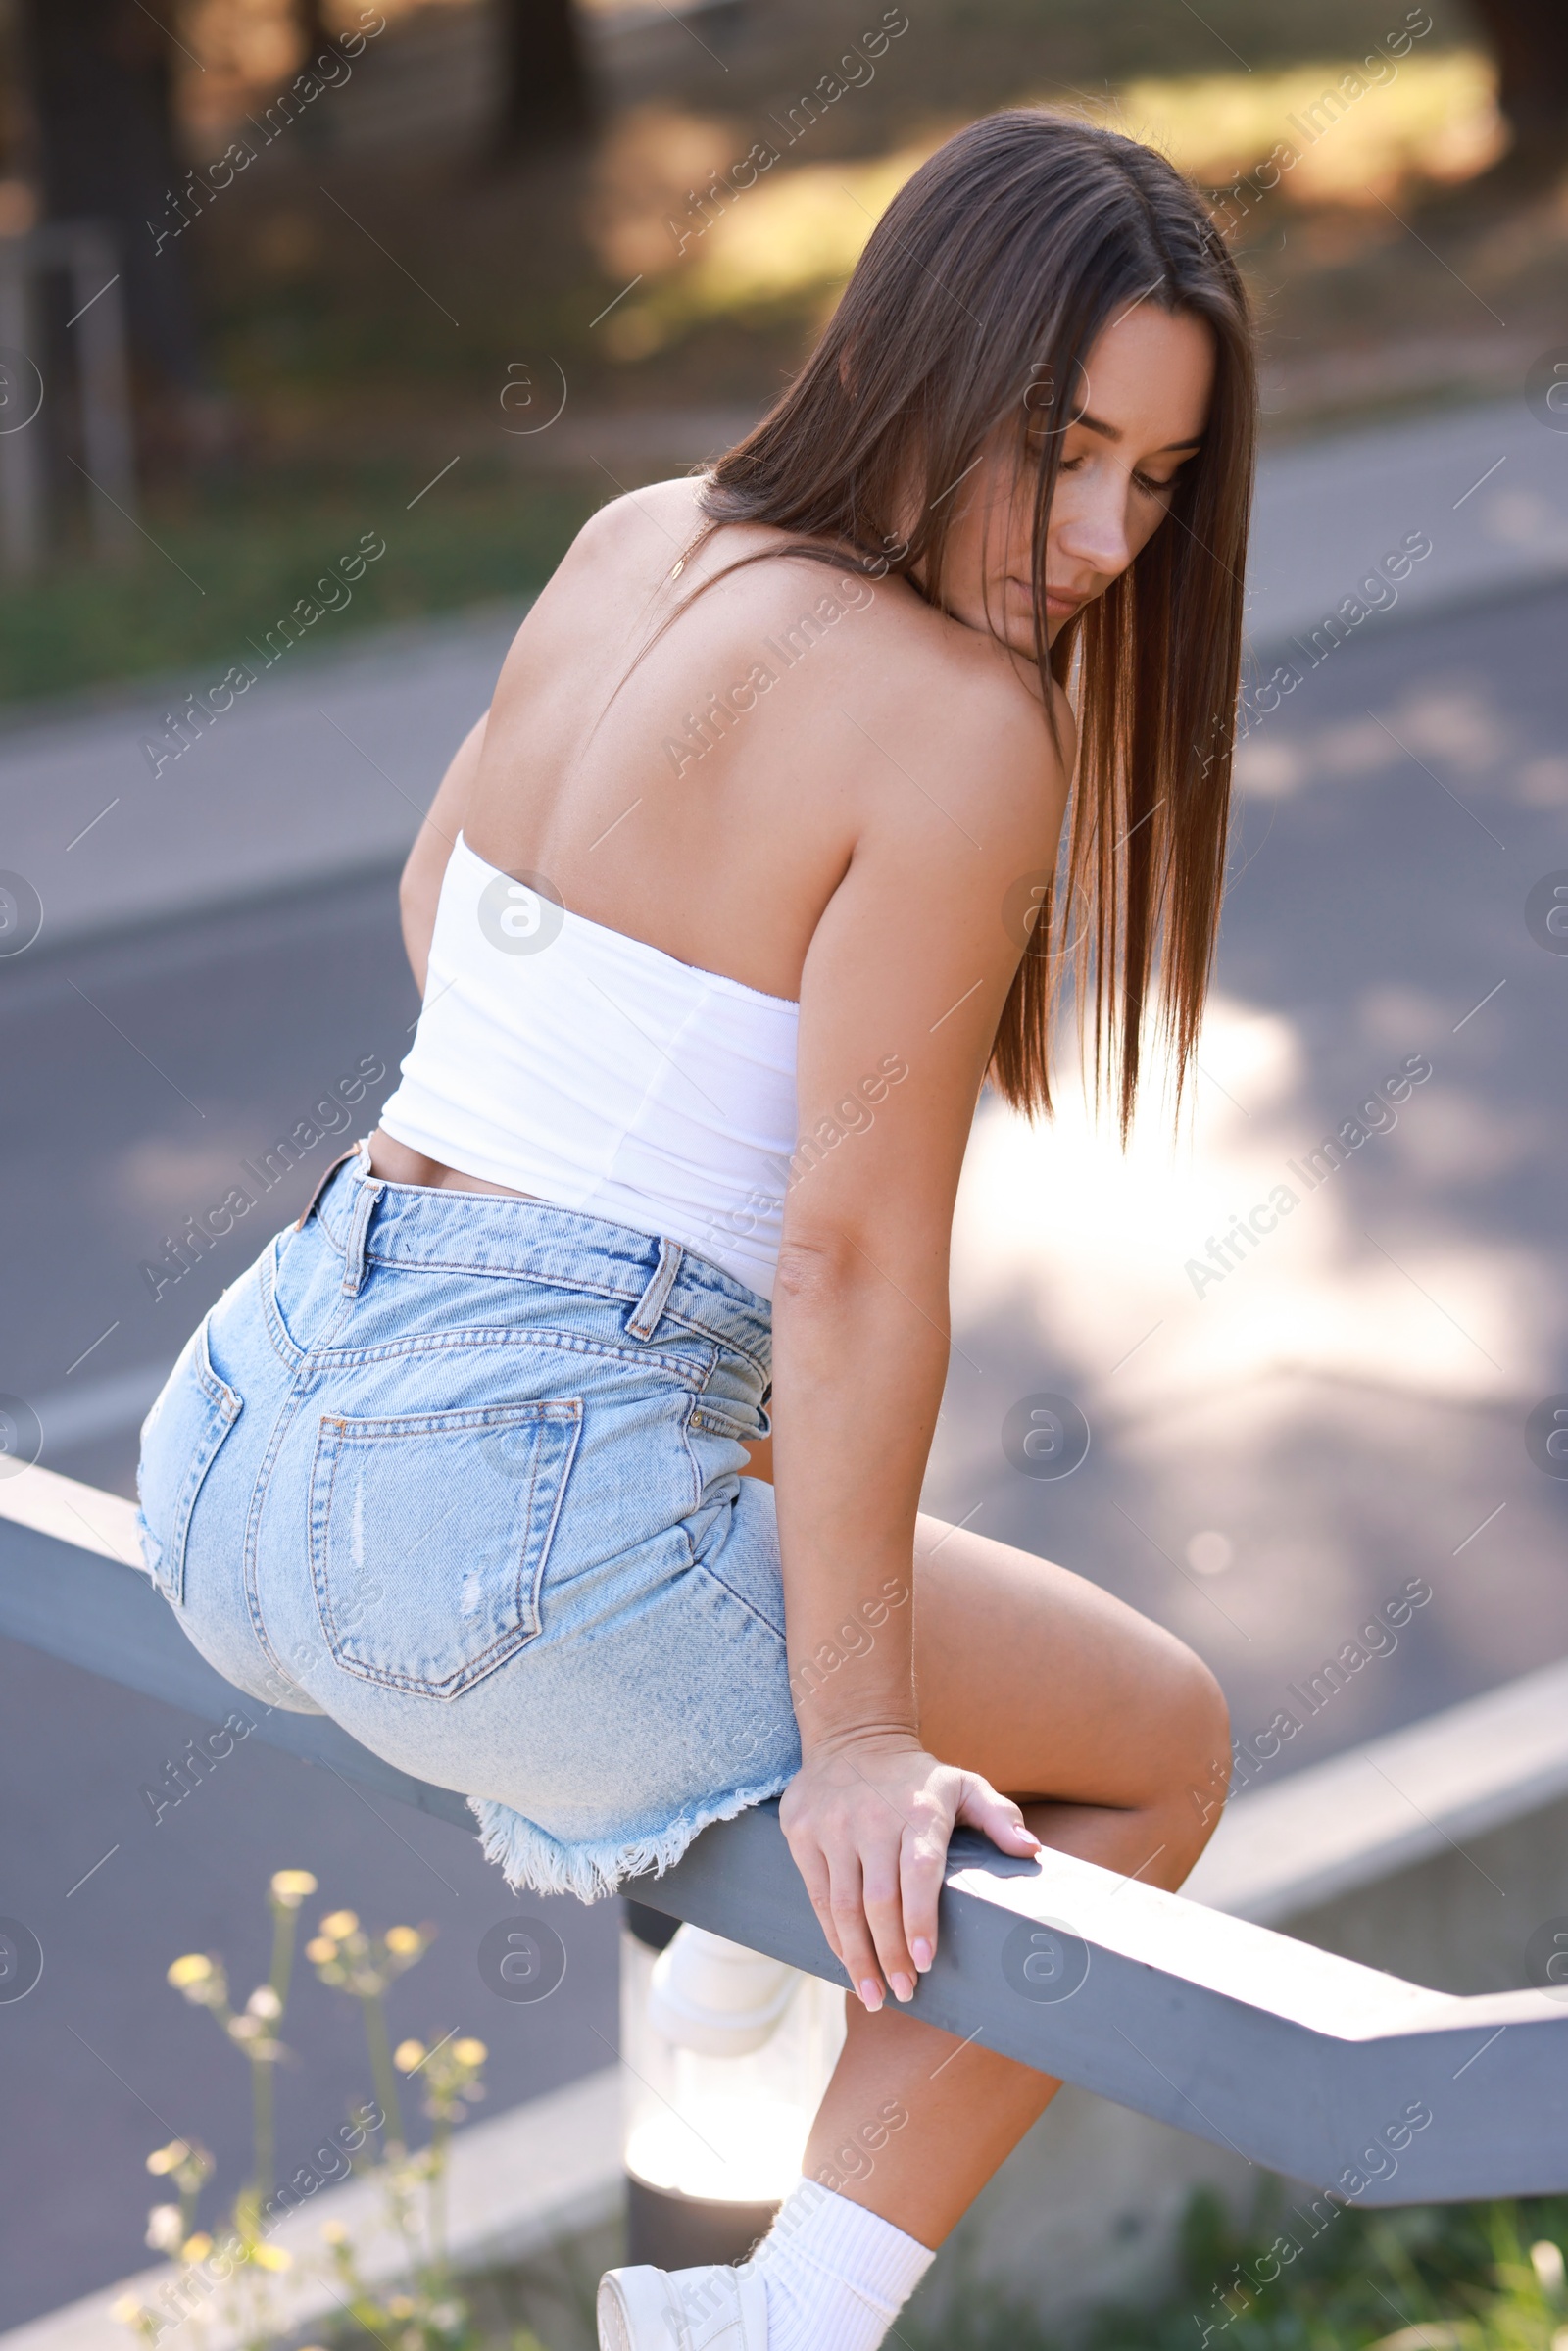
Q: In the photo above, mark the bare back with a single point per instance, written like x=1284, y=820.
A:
x=709, y=797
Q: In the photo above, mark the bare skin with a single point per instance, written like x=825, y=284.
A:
x=1102, y=1725
x=848, y=843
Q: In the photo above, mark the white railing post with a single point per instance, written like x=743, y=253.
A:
x=22, y=431
x=95, y=343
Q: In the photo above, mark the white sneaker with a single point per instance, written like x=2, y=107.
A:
x=712, y=2309
x=716, y=1996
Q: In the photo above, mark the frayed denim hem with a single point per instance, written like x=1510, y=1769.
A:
x=528, y=1856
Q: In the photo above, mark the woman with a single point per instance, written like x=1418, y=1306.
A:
x=723, y=914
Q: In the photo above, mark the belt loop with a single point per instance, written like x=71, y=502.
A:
x=352, y=1152
x=643, y=1320
x=364, y=1207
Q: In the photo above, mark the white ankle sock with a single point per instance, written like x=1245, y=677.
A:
x=837, y=2275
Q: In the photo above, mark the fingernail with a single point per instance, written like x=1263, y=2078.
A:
x=871, y=1993
x=903, y=1987
x=921, y=1953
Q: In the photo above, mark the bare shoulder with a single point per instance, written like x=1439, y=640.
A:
x=644, y=521
x=871, y=665
x=893, y=722
x=627, y=546
x=602, y=589
x=836, y=711
x=957, y=713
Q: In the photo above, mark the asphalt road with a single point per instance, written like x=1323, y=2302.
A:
x=1288, y=1430
x=1278, y=1448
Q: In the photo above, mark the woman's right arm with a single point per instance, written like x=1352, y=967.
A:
x=419, y=890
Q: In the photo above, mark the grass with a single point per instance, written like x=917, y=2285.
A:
x=1425, y=2278
x=231, y=559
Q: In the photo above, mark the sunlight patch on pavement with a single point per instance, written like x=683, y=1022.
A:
x=1089, y=1249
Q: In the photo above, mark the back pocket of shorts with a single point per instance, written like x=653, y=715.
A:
x=179, y=1443
x=429, y=1536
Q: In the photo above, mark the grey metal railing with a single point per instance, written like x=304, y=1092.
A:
x=1365, y=2087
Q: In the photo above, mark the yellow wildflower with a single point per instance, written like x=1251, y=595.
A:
x=164, y=2159
x=403, y=1939
x=407, y=2054
x=1545, y=2259
x=194, y=1968
x=272, y=2257
x=320, y=1949
x=339, y=1923
x=291, y=1888
x=469, y=2052
x=162, y=2229
x=197, y=2247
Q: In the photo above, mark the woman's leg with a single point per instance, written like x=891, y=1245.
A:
x=1115, y=1739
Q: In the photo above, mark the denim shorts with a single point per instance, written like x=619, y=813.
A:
x=462, y=1472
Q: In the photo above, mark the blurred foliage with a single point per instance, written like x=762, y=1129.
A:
x=800, y=234
x=255, y=546
x=1424, y=2278
x=351, y=326
x=1434, y=118
x=230, y=2271
x=372, y=290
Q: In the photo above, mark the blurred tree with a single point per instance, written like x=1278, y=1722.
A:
x=316, y=33
x=1529, y=40
x=98, y=86
x=545, y=95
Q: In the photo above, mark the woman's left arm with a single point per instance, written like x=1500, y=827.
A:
x=419, y=890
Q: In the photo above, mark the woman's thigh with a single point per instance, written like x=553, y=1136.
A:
x=1052, y=1688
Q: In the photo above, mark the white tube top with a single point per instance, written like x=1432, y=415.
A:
x=557, y=1058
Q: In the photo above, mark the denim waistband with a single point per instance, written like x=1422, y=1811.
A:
x=370, y=1221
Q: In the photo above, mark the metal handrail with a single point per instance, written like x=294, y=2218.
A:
x=1366, y=2088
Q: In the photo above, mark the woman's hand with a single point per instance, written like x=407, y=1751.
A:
x=867, y=1820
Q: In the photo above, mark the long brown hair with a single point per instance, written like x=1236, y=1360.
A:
x=977, y=299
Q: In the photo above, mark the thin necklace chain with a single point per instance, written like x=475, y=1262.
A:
x=679, y=564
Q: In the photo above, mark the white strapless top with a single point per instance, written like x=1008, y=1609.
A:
x=559, y=1057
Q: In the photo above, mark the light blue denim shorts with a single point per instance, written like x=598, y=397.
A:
x=463, y=1473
